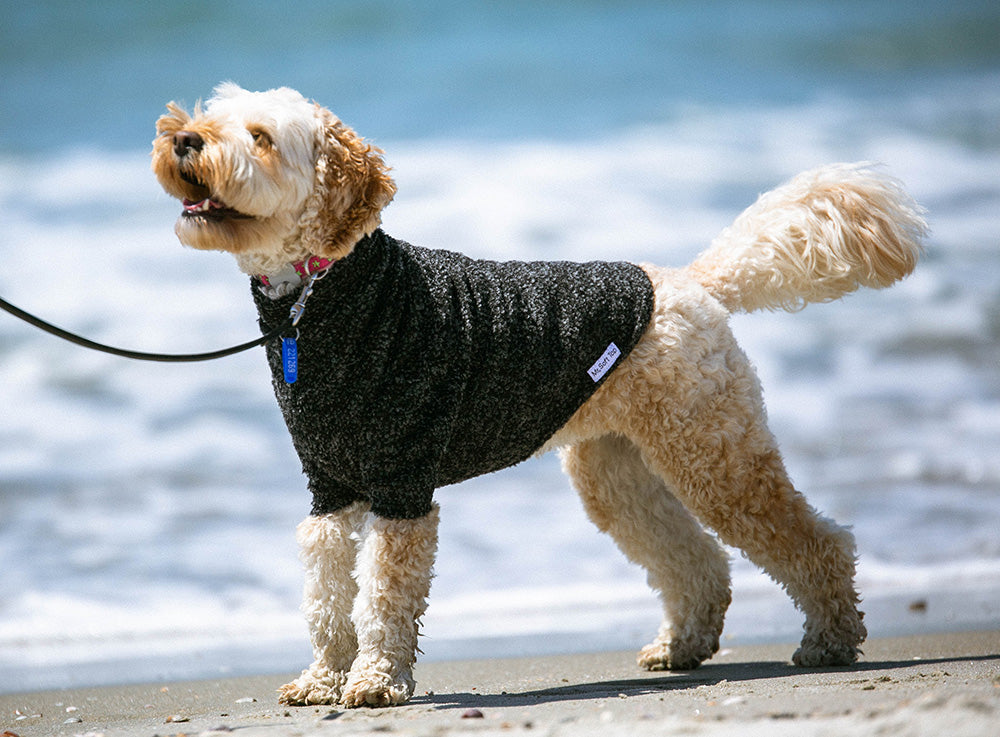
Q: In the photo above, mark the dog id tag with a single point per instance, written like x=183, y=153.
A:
x=290, y=359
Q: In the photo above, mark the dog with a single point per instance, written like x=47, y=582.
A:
x=656, y=412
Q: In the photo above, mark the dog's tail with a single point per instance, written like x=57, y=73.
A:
x=820, y=236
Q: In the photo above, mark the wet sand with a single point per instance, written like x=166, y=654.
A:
x=945, y=684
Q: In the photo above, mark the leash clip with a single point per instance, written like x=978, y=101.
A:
x=300, y=304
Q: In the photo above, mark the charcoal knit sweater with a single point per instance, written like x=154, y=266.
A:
x=421, y=368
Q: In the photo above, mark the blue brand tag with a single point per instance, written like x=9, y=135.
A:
x=290, y=359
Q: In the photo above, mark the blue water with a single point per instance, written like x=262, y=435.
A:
x=147, y=511
x=97, y=74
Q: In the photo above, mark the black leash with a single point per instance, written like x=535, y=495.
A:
x=293, y=319
x=138, y=355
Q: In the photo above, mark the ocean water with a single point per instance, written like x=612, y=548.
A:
x=147, y=511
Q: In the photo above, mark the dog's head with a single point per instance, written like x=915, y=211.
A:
x=269, y=177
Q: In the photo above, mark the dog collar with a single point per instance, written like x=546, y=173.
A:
x=293, y=275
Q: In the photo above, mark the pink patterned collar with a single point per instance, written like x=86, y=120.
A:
x=293, y=275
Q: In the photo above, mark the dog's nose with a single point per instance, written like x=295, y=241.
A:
x=185, y=141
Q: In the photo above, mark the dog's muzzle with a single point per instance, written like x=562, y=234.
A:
x=208, y=207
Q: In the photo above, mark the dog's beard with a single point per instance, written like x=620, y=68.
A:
x=209, y=224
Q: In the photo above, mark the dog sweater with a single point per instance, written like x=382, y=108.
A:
x=421, y=368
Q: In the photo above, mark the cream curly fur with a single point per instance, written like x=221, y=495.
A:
x=328, y=545
x=674, y=441
x=394, y=571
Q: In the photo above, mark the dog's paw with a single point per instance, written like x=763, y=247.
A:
x=836, y=645
x=375, y=688
x=817, y=655
x=314, y=687
x=678, y=654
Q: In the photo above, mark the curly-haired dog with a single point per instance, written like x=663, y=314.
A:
x=420, y=368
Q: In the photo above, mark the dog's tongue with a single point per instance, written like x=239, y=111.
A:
x=202, y=205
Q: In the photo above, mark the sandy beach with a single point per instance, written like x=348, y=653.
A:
x=946, y=684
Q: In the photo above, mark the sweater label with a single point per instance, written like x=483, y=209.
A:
x=604, y=363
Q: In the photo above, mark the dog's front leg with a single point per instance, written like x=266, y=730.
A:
x=328, y=548
x=394, y=577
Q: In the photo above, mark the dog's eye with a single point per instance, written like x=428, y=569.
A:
x=261, y=138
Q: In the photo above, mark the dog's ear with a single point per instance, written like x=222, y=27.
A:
x=352, y=186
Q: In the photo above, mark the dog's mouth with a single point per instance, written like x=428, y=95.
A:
x=207, y=207
x=210, y=209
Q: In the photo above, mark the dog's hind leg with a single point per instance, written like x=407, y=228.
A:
x=328, y=550
x=724, y=465
x=394, y=573
x=685, y=565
